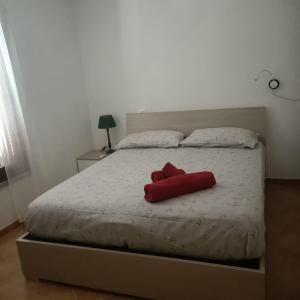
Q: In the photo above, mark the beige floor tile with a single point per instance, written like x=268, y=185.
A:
x=85, y=294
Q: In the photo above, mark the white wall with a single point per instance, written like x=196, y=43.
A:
x=7, y=209
x=53, y=93
x=192, y=54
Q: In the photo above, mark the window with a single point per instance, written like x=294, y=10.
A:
x=13, y=154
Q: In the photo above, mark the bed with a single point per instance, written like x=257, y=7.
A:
x=99, y=216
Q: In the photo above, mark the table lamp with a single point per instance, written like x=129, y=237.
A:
x=106, y=122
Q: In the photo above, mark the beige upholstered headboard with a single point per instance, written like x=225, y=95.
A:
x=253, y=118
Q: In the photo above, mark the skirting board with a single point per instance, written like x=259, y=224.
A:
x=141, y=275
x=9, y=227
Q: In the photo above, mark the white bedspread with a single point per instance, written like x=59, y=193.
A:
x=104, y=205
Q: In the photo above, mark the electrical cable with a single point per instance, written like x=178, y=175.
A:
x=273, y=89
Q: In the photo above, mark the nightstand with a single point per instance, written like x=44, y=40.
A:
x=88, y=159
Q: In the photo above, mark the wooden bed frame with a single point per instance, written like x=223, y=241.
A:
x=147, y=275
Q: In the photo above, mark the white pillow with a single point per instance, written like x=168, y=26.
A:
x=221, y=137
x=151, y=139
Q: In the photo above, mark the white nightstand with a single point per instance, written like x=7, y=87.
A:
x=88, y=159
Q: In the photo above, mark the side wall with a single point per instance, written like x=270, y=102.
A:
x=7, y=209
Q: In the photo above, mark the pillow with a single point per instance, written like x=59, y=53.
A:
x=221, y=137
x=154, y=138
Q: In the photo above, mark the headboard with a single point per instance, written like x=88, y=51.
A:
x=253, y=118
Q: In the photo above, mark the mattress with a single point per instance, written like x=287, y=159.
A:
x=104, y=205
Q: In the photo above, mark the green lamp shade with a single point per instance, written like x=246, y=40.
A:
x=106, y=121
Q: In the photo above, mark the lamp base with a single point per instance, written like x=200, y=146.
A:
x=109, y=151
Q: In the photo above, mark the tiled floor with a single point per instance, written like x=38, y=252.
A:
x=283, y=240
x=283, y=256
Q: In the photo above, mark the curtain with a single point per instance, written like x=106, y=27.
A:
x=15, y=152
x=13, y=136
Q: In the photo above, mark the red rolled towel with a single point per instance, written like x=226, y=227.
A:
x=170, y=170
x=157, y=176
x=178, y=185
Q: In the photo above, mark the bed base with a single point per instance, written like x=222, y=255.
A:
x=141, y=275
